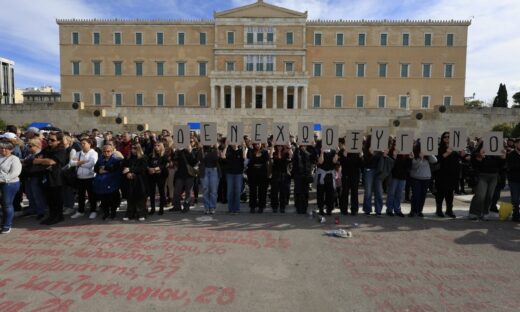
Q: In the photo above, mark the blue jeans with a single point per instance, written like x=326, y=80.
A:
x=372, y=182
x=8, y=190
x=34, y=190
x=210, y=187
x=419, y=190
x=234, y=188
x=393, y=199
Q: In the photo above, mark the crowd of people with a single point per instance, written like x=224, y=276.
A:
x=57, y=169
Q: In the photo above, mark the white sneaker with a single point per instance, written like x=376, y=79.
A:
x=212, y=211
x=93, y=215
x=125, y=219
x=77, y=215
x=142, y=219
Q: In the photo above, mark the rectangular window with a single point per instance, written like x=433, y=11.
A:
x=426, y=70
x=339, y=39
x=289, y=66
x=180, y=99
x=259, y=66
x=427, y=40
x=425, y=101
x=75, y=38
x=202, y=100
x=448, y=70
x=181, y=69
x=317, y=69
x=316, y=101
x=362, y=39
x=269, y=66
x=406, y=39
x=139, y=99
x=339, y=69
x=381, y=101
x=447, y=101
x=230, y=66
x=231, y=37
x=360, y=70
x=180, y=38
x=405, y=70
x=138, y=68
x=403, y=101
x=382, y=70
x=75, y=68
x=202, y=38
x=338, y=101
x=202, y=69
x=449, y=40
x=289, y=38
x=249, y=63
x=160, y=68
x=360, y=101
x=76, y=96
x=118, y=97
x=383, y=39
x=250, y=37
x=317, y=39
x=259, y=38
x=95, y=38
x=118, y=70
x=97, y=98
x=117, y=38
x=138, y=38
x=160, y=99
x=159, y=38
x=270, y=38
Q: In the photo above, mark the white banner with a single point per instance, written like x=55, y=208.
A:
x=259, y=132
x=493, y=143
x=404, y=142
x=458, y=137
x=280, y=133
x=208, y=133
x=329, y=137
x=235, y=133
x=354, y=141
x=429, y=143
x=305, y=133
x=379, y=140
x=181, y=136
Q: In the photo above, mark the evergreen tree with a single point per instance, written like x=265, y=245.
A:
x=516, y=99
x=501, y=98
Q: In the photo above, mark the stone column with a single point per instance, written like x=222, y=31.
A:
x=232, y=97
x=253, y=96
x=304, y=98
x=243, y=97
x=264, y=97
x=213, y=99
x=285, y=97
x=222, y=96
x=296, y=97
x=275, y=89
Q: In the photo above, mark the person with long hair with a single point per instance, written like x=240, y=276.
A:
x=84, y=162
x=134, y=172
x=54, y=158
x=326, y=187
x=107, y=181
x=258, y=158
x=184, y=179
x=209, y=174
x=233, y=156
x=420, y=178
x=372, y=181
x=281, y=157
x=157, y=175
x=169, y=151
x=10, y=169
x=69, y=187
x=399, y=174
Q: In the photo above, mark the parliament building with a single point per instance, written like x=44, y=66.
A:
x=262, y=56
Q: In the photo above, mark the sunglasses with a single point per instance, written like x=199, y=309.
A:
x=52, y=140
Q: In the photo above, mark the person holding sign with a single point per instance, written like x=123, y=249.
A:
x=488, y=168
x=184, y=178
x=513, y=176
x=257, y=178
x=372, y=178
x=351, y=164
x=400, y=172
x=281, y=156
x=420, y=178
x=447, y=177
x=302, y=175
x=233, y=157
x=209, y=173
x=326, y=184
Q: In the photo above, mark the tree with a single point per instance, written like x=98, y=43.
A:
x=473, y=103
x=516, y=131
x=501, y=98
x=516, y=99
x=2, y=124
x=505, y=127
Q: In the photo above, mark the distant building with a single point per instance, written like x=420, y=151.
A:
x=42, y=95
x=6, y=81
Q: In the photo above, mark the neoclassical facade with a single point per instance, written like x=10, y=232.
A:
x=261, y=56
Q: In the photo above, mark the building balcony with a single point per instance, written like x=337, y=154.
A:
x=258, y=74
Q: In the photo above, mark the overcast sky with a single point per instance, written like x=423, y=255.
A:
x=29, y=33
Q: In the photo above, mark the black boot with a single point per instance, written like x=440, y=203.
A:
x=161, y=211
x=516, y=214
x=152, y=211
x=449, y=213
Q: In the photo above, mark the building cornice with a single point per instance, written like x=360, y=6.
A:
x=117, y=21
x=386, y=22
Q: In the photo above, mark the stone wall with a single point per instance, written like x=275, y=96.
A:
x=64, y=116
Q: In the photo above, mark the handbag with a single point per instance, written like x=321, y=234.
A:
x=70, y=174
x=192, y=171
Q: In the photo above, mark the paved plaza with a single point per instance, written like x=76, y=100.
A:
x=267, y=262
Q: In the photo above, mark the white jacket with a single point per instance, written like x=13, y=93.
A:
x=85, y=171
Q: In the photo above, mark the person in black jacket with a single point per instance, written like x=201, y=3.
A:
x=134, y=172
x=487, y=168
x=351, y=164
x=157, y=175
x=302, y=175
x=400, y=172
x=447, y=177
x=184, y=179
x=257, y=177
x=281, y=157
x=54, y=158
x=513, y=176
x=372, y=179
x=325, y=180
x=233, y=157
